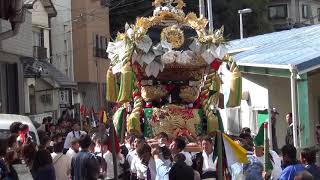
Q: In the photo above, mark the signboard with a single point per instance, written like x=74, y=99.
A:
x=64, y=97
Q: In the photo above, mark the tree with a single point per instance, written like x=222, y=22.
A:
x=225, y=14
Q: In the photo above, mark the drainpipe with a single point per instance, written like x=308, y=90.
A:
x=293, y=80
x=210, y=15
x=50, y=40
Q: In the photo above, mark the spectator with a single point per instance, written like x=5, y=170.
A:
x=45, y=142
x=163, y=139
x=205, y=162
x=161, y=155
x=75, y=133
x=177, y=146
x=132, y=155
x=275, y=160
x=43, y=125
x=146, y=169
x=291, y=164
x=28, y=154
x=305, y=175
x=245, y=130
x=308, y=158
x=15, y=127
x=74, y=149
x=4, y=172
x=24, y=136
x=11, y=159
x=129, y=142
x=42, y=166
x=109, y=159
x=49, y=124
x=12, y=142
x=92, y=147
x=61, y=162
x=180, y=170
x=84, y=166
x=318, y=133
x=289, y=135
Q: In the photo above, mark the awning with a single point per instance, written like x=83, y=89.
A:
x=43, y=69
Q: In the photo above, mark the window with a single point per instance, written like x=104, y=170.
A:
x=305, y=11
x=38, y=38
x=278, y=11
x=99, y=46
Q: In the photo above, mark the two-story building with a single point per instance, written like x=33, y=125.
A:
x=285, y=14
x=15, y=39
x=49, y=89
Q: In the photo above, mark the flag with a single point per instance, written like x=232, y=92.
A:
x=235, y=153
x=259, y=141
x=118, y=120
x=116, y=142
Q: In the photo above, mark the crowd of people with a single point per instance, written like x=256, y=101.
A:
x=65, y=152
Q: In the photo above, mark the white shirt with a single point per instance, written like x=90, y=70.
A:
x=188, y=160
x=276, y=163
x=131, y=155
x=109, y=159
x=70, y=136
x=208, y=164
x=42, y=127
x=71, y=153
x=62, y=165
x=141, y=169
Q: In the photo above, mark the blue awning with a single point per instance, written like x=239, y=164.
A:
x=297, y=47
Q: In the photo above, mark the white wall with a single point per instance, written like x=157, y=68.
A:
x=61, y=27
x=42, y=88
x=39, y=15
x=21, y=44
x=40, y=20
x=278, y=97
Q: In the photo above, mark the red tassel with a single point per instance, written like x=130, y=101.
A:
x=215, y=65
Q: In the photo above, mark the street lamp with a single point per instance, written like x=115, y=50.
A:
x=243, y=11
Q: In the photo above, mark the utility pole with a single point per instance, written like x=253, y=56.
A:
x=210, y=15
x=243, y=11
x=202, y=8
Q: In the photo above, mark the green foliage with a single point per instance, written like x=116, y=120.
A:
x=255, y=23
x=225, y=13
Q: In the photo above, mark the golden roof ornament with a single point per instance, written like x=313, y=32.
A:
x=169, y=7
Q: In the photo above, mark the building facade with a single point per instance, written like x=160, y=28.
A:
x=285, y=14
x=12, y=94
x=90, y=36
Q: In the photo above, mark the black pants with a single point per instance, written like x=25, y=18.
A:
x=210, y=174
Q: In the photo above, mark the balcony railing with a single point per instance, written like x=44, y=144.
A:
x=39, y=52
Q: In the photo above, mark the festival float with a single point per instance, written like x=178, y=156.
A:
x=164, y=75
